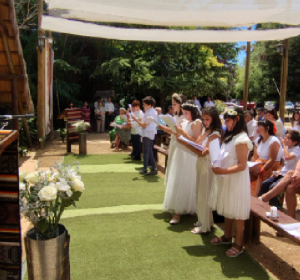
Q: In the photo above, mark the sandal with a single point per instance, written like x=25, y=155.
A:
x=234, y=252
x=175, y=220
x=221, y=241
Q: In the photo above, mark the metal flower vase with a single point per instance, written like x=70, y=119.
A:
x=82, y=143
x=48, y=259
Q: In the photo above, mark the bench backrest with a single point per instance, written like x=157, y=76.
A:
x=73, y=115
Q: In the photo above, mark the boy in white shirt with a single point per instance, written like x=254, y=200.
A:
x=136, y=130
x=271, y=187
x=148, y=133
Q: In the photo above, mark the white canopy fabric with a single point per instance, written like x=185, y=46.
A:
x=226, y=13
x=164, y=35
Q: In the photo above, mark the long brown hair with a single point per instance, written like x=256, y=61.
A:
x=293, y=119
x=179, y=99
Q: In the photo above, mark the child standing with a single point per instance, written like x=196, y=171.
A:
x=148, y=134
x=230, y=195
x=136, y=131
x=212, y=129
x=180, y=196
x=177, y=100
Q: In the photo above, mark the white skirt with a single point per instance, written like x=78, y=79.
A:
x=203, y=187
x=230, y=195
x=180, y=196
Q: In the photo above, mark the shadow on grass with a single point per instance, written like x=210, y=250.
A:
x=165, y=216
x=231, y=267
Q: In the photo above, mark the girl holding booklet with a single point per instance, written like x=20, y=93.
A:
x=230, y=195
x=180, y=196
x=177, y=100
x=212, y=129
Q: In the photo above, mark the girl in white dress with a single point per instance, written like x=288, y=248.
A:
x=180, y=196
x=212, y=129
x=230, y=193
x=177, y=100
x=295, y=121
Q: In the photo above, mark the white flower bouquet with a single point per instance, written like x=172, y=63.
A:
x=44, y=195
x=81, y=126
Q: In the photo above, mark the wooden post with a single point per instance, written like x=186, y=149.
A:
x=25, y=125
x=284, y=77
x=14, y=99
x=41, y=81
x=246, y=84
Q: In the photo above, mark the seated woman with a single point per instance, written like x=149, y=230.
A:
x=271, y=191
x=271, y=115
x=295, y=121
x=122, y=131
x=267, y=151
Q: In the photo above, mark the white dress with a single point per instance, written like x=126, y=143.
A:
x=203, y=187
x=230, y=195
x=178, y=120
x=180, y=196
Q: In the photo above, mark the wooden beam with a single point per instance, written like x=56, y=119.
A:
x=246, y=83
x=25, y=125
x=4, y=34
x=10, y=77
x=14, y=99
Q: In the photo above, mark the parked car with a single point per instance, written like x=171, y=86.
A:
x=230, y=105
x=270, y=104
x=260, y=104
x=289, y=106
x=250, y=105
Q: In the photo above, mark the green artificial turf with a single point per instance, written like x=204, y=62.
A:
x=119, y=232
x=142, y=245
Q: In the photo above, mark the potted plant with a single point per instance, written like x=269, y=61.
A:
x=44, y=195
x=62, y=133
x=81, y=127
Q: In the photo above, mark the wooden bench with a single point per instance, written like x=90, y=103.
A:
x=258, y=214
x=163, y=152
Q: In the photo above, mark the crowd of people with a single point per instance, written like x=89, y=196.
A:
x=193, y=185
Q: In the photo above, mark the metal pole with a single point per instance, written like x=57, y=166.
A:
x=284, y=76
x=41, y=80
x=246, y=84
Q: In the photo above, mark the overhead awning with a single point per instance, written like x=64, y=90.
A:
x=226, y=13
x=164, y=35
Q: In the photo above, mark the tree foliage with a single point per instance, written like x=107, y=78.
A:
x=84, y=65
x=265, y=70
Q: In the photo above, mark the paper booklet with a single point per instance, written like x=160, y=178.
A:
x=115, y=125
x=214, y=151
x=191, y=143
x=293, y=229
x=252, y=163
x=124, y=117
x=169, y=120
x=153, y=120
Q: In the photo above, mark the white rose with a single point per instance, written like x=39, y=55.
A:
x=32, y=177
x=48, y=193
x=77, y=185
x=22, y=186
x=62, y=185
x=22, y=175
